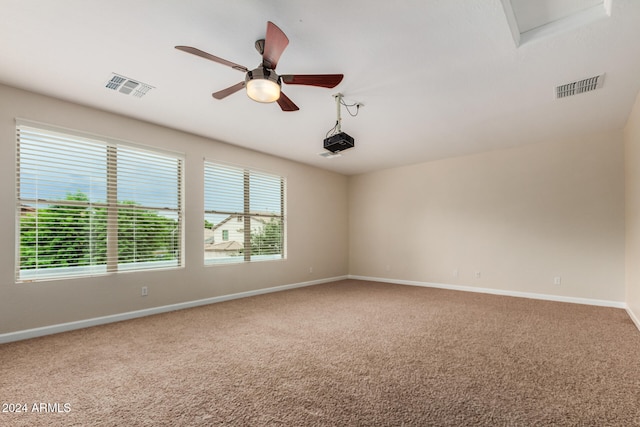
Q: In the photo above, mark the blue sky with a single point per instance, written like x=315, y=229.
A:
x=52, y=172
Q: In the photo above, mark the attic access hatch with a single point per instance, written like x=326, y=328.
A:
x=534, y=19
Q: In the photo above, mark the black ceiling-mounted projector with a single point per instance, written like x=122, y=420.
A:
x=338, y=142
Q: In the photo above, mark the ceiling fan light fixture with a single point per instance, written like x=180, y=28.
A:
x=263, y=85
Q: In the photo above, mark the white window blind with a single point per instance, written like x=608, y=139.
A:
x=87, y=206
x=244, y=214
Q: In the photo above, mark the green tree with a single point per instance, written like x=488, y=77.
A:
x=57, y=236
x=143, y=235
x=65, y=235
x=269, y=240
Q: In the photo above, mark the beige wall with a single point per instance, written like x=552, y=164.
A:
x=518, y=216
x=317, y=225
x=632, y=169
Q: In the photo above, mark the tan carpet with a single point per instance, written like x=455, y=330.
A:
x=345, y=353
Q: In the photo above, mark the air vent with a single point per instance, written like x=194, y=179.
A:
x=580, y=86
x=329, y=154
x=127, y=86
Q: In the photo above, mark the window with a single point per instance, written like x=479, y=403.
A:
x=90, y=206
x=244, y=215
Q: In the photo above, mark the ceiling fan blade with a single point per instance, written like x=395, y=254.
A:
x=274, y=44
x=322, y=80
x=228, y=91
x=286, y=104
x=213, y=58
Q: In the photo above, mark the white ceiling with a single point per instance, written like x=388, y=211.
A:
x=438, y=78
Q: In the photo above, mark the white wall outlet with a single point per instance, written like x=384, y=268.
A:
x=388, y=268
x=478, y=275
x=144, y=291
x=456, y=273
x=557, y=280
x=310, y=269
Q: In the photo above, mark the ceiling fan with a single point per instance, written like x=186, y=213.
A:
x=262, y=83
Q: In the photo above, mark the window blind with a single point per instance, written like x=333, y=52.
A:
x=88, y=206
x=244, y=214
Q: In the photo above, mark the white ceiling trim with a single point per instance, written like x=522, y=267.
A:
x=554, y=25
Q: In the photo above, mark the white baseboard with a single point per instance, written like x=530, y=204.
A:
x=70, y=326
x=635, y=319
x=559, y=298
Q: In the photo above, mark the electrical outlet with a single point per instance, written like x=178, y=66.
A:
x=557, y=280
x=455, y=272
x=144, y=291
x=310, y=269
x=478, y=275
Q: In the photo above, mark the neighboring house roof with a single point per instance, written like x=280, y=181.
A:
x=24, y=209
x=224, y=221
x=230, y=245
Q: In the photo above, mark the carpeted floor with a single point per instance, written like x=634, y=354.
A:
x=339, y=354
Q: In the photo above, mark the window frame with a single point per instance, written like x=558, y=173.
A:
x=246, y=215
x=113, y=262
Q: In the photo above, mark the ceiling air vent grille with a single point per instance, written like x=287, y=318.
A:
x=128, y=86
x=329, y=155
x=580, y=86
